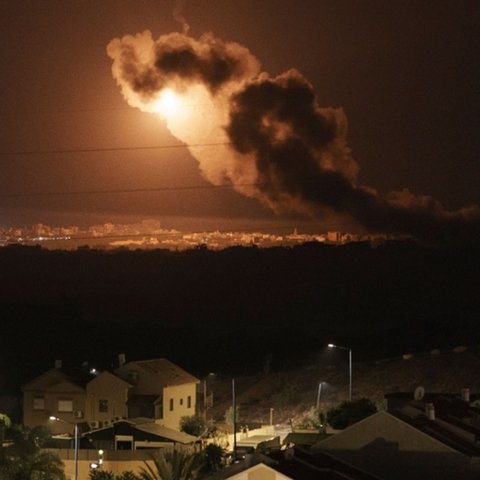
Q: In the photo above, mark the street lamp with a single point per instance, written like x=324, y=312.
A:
x=234, y=407
x=331, y=345
x=319, y=393
x=75, y=432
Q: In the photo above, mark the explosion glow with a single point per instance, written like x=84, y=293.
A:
x=169, y=104
x=272, y=139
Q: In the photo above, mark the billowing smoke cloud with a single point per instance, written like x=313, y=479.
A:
x=270, y=137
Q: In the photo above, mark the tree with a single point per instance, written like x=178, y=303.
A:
x=127, y=476
x=5, y=423
x=213, y=456
x=176, y=464
x=348, y=413
x=101, y=475
x=311, y=420
x=23, y=459
x=107, y=475
x=193, y=425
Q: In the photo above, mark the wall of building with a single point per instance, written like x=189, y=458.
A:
x=178, y=401
x=64, y=391
x=116, y=462
x=106, y=388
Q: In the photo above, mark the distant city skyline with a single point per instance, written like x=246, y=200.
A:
x=150, y=234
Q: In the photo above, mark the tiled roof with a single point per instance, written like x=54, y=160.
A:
x=455, y=423
x=149, y=426
x=303, y=465
x=169, y=373
x=303, y=438
x=165, y=432
x=55, y=376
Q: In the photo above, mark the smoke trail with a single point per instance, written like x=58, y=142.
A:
x=280, y=145
x=178, y=15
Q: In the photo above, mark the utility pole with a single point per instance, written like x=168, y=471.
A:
x=205, y=401
x=234, y=406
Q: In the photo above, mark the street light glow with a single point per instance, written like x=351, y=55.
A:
x=331, y=345
x=75, y=448
x=320, y=384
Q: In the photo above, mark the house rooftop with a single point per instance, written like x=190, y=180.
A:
x=54, y=376
x=168, y=373
x=299, y=463
x=167, y=433
x=306, y=439
x=460, y=433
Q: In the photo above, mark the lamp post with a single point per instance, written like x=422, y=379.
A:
x=319, y=393
x=234, y=406
x=75, y=432
x=331, y=345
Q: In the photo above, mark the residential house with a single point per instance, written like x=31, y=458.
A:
x=58, y=392
x=154, y=389
x=160, y=390
x=299, y=463
x=259, y=472
x=106, y=399
x=292, y=463
x=408, y=443
x=135, y=435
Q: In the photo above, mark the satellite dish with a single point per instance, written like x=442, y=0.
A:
x=419, y=393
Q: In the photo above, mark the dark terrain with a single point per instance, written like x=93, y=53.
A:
x=293, y=392
x=236, y=311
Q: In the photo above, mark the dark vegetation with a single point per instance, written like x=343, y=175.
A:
x=237, y=311
x=21, y=455
x=348, y=413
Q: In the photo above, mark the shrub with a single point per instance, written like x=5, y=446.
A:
x=348, y=413
x=193, y=425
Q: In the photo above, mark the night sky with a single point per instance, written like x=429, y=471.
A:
x=405, y=74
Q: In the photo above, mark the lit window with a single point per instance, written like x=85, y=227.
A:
x=103, y=405
x=65, y=406
x=39, y=403
x=171, y=404
x=189, y=402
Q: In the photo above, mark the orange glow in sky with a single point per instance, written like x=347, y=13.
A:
x=169, y=104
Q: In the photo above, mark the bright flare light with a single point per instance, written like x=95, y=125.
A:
x=169, y=104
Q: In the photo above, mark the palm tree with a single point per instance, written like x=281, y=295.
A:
x=176, y=464
x=23, y=459
x=5, y=423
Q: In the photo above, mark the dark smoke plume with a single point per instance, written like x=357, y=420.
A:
x=284, y=149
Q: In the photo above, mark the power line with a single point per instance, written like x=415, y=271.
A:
x=60, y=111
x=127, y=108
x=128, y=190
x=111, y=149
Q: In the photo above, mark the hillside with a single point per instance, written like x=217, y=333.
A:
x=291, y=393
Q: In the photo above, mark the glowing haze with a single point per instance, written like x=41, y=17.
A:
x=267, y=136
